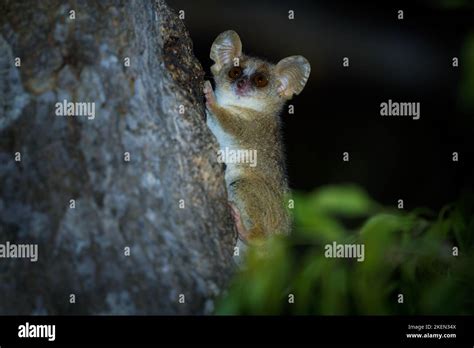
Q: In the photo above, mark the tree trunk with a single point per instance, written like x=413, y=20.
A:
x=128, y=208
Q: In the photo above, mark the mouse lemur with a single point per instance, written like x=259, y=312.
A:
x=243, y=113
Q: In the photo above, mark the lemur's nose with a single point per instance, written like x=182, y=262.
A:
x=240, y=83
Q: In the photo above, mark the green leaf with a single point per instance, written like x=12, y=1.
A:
x=344, y=200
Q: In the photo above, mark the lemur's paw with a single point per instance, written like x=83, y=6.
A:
x=209, y=94
x=243, y=233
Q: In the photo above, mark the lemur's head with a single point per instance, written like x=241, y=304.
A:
x=252, y=82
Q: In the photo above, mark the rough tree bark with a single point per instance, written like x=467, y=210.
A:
x=118, y=204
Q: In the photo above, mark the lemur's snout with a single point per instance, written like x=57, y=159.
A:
x=243, y=86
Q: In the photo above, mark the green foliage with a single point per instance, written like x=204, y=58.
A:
x=405, y=253
x=455, y=4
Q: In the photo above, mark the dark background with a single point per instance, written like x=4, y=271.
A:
x=407, y=60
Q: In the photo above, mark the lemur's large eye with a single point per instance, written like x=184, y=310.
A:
x=235, y=72
x=260, y=80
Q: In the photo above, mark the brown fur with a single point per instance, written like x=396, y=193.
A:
x=260, y=192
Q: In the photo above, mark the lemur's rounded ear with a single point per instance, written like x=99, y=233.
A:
x=293, y=73
x=225, y=48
